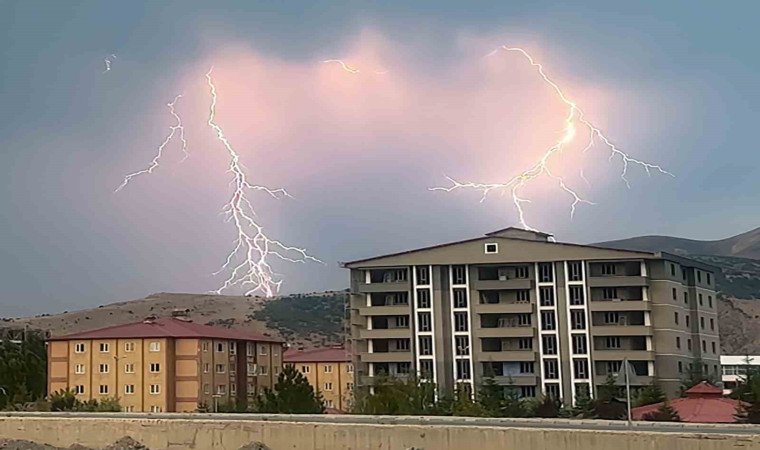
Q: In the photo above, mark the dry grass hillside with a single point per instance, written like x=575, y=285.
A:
x=304, y=320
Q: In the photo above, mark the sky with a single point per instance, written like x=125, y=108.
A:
x=672, y=83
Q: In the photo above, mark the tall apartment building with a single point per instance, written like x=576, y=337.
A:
x=329, y=371
x=543, y=316
x=164, y=365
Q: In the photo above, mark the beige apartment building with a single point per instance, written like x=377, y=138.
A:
x=329, y=370
x=543, y=316
x=164, y=365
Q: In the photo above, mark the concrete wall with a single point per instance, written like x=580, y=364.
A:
x=341, y=433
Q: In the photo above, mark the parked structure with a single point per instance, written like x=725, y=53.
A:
x=735, y=369
x=704, y=403
x=329, y=370
x=164, y=365
x=548, y=317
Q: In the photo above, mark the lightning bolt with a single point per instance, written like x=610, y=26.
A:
x=108, y=61
x=172, y=132
x=350, y=69
x=574, y=117
x=248, y=261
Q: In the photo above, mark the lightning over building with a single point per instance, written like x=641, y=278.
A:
x=249, y=261
x=575, y=119
x=177, y=129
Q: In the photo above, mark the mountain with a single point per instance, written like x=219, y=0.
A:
x=745, y=245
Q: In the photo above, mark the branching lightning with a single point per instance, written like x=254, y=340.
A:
x=248, y=261
x=350, y=69
x=108, y=61
x=178, y=127
x=575, y=116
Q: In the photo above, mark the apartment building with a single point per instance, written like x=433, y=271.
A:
x=329, y=370
x=543, y=316
x=735, y=369
x=164, y=364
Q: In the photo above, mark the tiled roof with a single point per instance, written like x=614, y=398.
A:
x=330, y=354
x=704, y=388
x=704, y=404
x=166, y=327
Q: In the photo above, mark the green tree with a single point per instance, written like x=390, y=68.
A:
x=64, y=400
x=584, y=404
x=490, y=397
x=547, y=406
x=401, y=396
x=649, y=395
x=23, y=370
x=665, y=413
x=292, y=394
x=695, y=374
x=513, y=405
x=464, y=404
x=606, y=406
x=748, y=392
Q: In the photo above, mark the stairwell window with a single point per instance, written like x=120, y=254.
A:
x=551, y=371
x=547, y=296
x=423, y=277
x=576, y=296
x=579, y=344
x=460, y=298
x=424, y=321
x=578, y=319
x=460, y=321
x=423, y=298
x=546, y=274
x=575, y=271
x=547, y=321
x=459, y=274
x=426, y=345
x=550, y=344
x=580, y=367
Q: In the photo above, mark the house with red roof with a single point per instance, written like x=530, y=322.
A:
x=330, y=371
x=167, y=364
x=704, y=403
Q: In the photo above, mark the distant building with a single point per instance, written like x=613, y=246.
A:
x=547, y=317
x=329, y=370
x=164, y=365
x=704, y=403
x=735, y=369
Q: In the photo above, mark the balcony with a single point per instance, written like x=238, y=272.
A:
x=390, y=286
x=507, y=356
x=506, y=308
x=505, y=284
x=394, y=356
x=505, y=332
x=385, y=333
x=619, y=305
x=517, y=380
x=621, y=330
x=617, y=281
x=618, y=354
x=393, y=310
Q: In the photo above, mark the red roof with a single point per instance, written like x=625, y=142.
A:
x=330, y=354
x=704, y=403
x=166, y=327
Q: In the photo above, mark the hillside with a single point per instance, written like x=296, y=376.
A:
x=304, y=320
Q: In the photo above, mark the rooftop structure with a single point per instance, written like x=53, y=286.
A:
x=704, y=403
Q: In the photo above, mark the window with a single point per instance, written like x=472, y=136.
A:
x=459, y=274
x=349, y=368
x=546, y=295
x=220, y=346
x=221, y=368
x=492, y=248
x=612, y=342
x=709, y=280
x=402, y=321
x=129, y=346
x=129, y=368
x=578, y=319
x=206, y=388
x=551, y=369
x=460, y=298
x=103, y=389
x=205, y=346
x=103, y=368
x=233, y=389
x=527, y=391
x=328, y=386
x=552, y=389
x=686, y=298
x=221, y=389
x=349, y=386
x=704, y=346
x=129, y=388
x=523, y=320
x=700, y=300
x=460, y=321
x=155, y=367
x=608, y=269
x=687, y=321
x=702, y=323
x=263, y=370
x=79, y=389
x=576, y=296
x=610, y=293
x=688, y=344
x=424, y=319
x=523, y=296
x=575, y=272
x=263, y=350
x=699, y=276
x=675, y=316
x=675, y=294
x=328, y=368
x=329, y=404
x=546, y=274
x=233, y=348
x=155, y=346
x=462, y=345
x=614, y=366
x=130, y=408
x=104, y=347
x=79, y=348
x=463, y=369
x=672, y=270
x=156, y=409
x=547, y=320
x=521, y=272
x=304, y=369
x=79, y=369
x=426, y=345
x=426, y=369
x=713, y=347
x=550, y=345
x=525, y=343
x=579, y=344
x=712, y=324
x=678, y=342
x=423, y=277
x=580, y=368
x=527, y=367
x=251, y=368
x=423, y=298
x=683, y=272
x=680, y=367
x=709, y=301
x=155, y=389
x=250, y=349
x=611, y=317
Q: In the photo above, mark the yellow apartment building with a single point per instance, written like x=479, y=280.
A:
x=329, y=371
x=164, y=364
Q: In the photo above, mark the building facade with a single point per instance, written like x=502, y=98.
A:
x=164, y=365
x=545, y=317
x=735, y=369
x=330, y=371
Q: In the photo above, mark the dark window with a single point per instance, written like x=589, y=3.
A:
x=610, y=293
x=678, y=342
x=423, y=298
x=575, y=271
x=688, y=344
x=492, y=248
x=576, y=296
x=712, y=324
x=709, y=280
x=680, y=367
x=673, y=270
x=460, y=274
x=550, y=345
x=687, y=321
x=525, y=343
x=579, y=344
x=702, y=323
x=547, y=321
x=546, y=274
x=699, y=276
x=547, y=296
x=424, y=319
x=463, y=345
x=522, y=271
x=675, y=315
x=460, y=298
x=704, y=346
x=527, y=367
x=580, y=367
x=551, y=369
x=686, y=297
x=608, y=269
x=713, y=347
x=423, y=276
x=700, y=300
x=577, y=319
x=460, y=321
x=426, y=345
x=675, y=293
x=527, y=391
x=523, y=296
x=552, y=389
x=463, y=369
x=709, y=301
x=426, y=369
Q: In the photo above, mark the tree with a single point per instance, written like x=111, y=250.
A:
x=665, y=413
x=65, y=400
x=606, y=406
x=463, y=404
x=401, y=396
x=490, y=397
x=513, y=405
x=23, y=370
x=748, y=392
x=649, y=396
x=292, y=394
x=584, y=404
x=547, y=407
x=695, y=374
